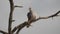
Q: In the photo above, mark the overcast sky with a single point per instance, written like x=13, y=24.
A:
x=42, y=7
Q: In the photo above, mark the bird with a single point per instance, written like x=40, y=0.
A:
x=31, y=17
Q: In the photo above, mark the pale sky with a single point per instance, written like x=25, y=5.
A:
x=42, y=7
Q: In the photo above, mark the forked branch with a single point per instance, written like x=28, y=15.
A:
x=11, y=16
x=3, y=32
x=19, y=27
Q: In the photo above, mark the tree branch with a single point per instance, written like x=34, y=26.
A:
x=10, y=16
x=18, y=6
x=3, y=32
x=19, y=27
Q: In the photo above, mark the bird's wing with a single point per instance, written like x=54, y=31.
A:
x=29, y=15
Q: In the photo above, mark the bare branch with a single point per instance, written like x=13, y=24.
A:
x=54, y=15
x=18, y=6
x=19, y=27
x=10, y=16
x=13, y=20
x=3, y=32
x=51, y=16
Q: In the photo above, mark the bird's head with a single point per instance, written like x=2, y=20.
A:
x=30, y=9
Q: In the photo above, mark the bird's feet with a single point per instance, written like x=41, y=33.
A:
x=28, y=25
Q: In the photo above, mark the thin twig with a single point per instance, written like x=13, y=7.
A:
x=18, y=6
